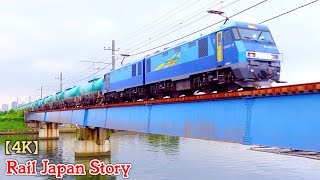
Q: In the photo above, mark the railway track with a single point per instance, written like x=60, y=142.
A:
x=308, y=88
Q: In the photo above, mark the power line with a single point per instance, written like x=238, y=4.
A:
x=89, y=75
x=144, y=27
x=182, y=37
x=288, y=12
x=91, y=58
x=99, y=70
x=84, y=70
x=174, y=24
x=201, y=29
x=231, y=17
x=95, y=72
x=177, y=29
x=75, y=81
x=113, y=60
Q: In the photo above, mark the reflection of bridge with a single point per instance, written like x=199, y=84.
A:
x=280, y=116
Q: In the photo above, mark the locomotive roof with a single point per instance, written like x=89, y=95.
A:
x=243, y=25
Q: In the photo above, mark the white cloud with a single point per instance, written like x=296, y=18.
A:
x=45, y=65
x=99, y=28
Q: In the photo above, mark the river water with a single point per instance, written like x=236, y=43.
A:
x=164, y=157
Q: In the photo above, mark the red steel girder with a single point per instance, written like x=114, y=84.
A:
x=271, y=91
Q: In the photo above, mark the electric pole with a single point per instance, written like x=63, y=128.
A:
x=113, y=51
x=60, y=79
x=113, y=54
x=41, y=92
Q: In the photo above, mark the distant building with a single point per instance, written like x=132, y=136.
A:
x=14, y=105
x=22, y=104
x=5, y=107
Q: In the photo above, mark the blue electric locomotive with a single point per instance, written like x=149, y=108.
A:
x=236, y=55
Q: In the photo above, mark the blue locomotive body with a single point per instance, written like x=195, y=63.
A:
x=126, y=77
x=180, y=62
x=237, y=55
x=202, y=55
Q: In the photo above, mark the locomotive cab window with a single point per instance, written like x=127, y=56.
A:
x=227, y=36
x=235, y=33
x=255, y=35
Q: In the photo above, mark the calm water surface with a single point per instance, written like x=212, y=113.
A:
x=163, y=157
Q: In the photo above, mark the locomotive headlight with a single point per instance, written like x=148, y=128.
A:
x=275, y=56
x=251, y=54
x=263, y=55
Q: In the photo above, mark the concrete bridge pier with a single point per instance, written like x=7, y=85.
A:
x=92, y=141
x=32, y=124
x=48, y=131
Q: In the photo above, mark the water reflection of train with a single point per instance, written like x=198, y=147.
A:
x=237, y=55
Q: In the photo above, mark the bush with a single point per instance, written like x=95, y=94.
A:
x=12, y=121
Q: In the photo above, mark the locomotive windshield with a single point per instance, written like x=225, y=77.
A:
x=255, y=35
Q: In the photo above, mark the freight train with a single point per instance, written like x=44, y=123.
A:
x=236, y=56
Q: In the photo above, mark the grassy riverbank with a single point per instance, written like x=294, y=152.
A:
x=12, y=121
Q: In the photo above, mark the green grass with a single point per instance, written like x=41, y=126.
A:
x=12, y=121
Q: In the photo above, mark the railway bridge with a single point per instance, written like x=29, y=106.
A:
x=285, y=116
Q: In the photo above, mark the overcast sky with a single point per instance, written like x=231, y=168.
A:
x=41, y=38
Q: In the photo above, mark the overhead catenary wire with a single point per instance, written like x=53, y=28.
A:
x=72, y=76
x=174, y=24
x=83, y=73
x=94, y=73
x=215, y=24
x=73, y=82
x=178, y=38
x=88, y=59
x=162, y=18
x=144, y=28
x=255, y=5
x=277, y=16
x=142, y=45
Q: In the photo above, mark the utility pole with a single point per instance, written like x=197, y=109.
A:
x=60, y=78
x=41, y=92
x=113, y=54
x=113, y=51
x=60, y=81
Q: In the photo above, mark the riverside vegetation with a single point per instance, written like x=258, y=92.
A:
x=12, y=121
